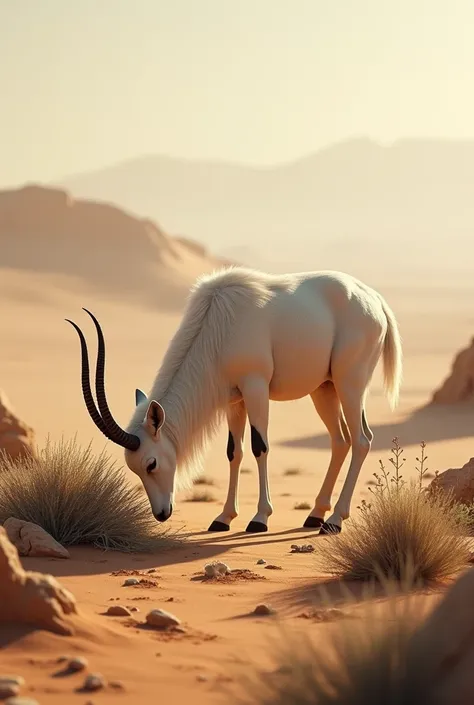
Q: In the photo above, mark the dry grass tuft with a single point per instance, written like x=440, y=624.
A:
x=402, y=529
x=362, y=662
x=204, y=480
x=80, y=498
x=292, y=472
x=302, y=505
x=246, y=471
x=201, y=496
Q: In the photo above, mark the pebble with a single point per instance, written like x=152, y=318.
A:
x=94, y=681
x=304, y=548
x=213, y=570
x=271, y=566
x=261, y=561
x=15, y=680
x=202, y=678
x=78, y=664
x=263, y=609
x=162, y=619
x=8, y=689
x=131, y=581
x=117, y=685
x=134, y=609
x=19, y=700
x=118, y=611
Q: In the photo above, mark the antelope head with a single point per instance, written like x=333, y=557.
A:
x=148, y=453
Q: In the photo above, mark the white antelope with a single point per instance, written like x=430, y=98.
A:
x=246, y=338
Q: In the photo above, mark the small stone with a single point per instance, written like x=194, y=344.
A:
x=19, y=700
x=162, y=619
x=304, y=548
x=78, y=664
x=134, y=609
x=8, y=689
x=270, y=566
x=16, y=680
x=202, y=678
x=216, y=569
x=118, y=611
x=262, y=610
x=117, y=685
x=261, y=561
x=94, y=681
x=131, y=581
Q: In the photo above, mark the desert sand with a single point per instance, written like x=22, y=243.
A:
x=40, y=371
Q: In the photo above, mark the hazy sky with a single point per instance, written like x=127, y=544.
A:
x=87, y=83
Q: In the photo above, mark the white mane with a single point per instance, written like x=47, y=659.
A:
x=189, y=384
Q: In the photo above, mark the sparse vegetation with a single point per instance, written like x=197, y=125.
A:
x=363, y=662
x=292, y=472
x=402, y=529
x=80, y=498
x=302, y=505
x=246, y=471
x=201, y=496
x=204, y=480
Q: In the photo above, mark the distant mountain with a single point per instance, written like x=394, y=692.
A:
x=99, y=245
x=337, y=208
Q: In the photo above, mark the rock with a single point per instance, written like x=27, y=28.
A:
x=304, y=548
x=261, y=561
x=8, y=690
x=216, y=569
x=20, y=700
x=134, y=609
x=32, y=540
x=16, y=680
x=162, y=619
x=16, y=437
x=117, y=685
x=443, y=646
x=79, y=663
x=459, y=481
x=202, y=678
x=32, y=598
x=94, y=681
x=271, y=566
x=118, y=611
x=263, y=610
x=131, y=581
x=459, y=385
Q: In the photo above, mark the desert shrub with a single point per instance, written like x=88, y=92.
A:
x=292, y=472
x=80, y=498
x=402, y=528
x=362, y=662
x=201, y=496
x=302, y=505
x=204, y=480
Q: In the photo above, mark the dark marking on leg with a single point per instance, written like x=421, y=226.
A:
x=219, y=526
x=256, y=527
x=258, y=444
x=230, y=447
x=328, y=529
x=313, y=523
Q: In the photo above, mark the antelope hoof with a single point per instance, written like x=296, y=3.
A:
x=328, y=529
x=313, y=523
x=218, y=526
x=256, y=527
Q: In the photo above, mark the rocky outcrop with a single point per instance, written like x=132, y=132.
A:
x=32, y=540
x=32, y=598
x=459, y=385
x=458, y=481
x=444, y=644
x=16, y=437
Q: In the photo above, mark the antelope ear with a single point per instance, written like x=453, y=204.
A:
x=155, y=417
x=139, y=396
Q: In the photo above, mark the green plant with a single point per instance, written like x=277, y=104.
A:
x=402, y=528
x=80, y=498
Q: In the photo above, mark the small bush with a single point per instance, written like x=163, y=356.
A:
x=80, y=498
x=363, y=662
x=204, y=480
x=292, y=472
x=403, y=528
x=201, y=496
x=302, y=505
